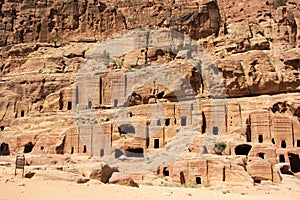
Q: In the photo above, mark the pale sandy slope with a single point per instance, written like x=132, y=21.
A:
x=32, y=189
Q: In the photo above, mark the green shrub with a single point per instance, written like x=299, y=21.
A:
x=220, y=147
x=279, y=3
x=186, y=47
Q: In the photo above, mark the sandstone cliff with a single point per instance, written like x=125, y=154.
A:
x=255, y=45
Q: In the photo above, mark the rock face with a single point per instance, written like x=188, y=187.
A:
x=251, y=57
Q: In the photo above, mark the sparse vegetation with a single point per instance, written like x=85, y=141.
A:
x=149, y=184
x=185, y=47
x=279, y=3
x=220, y=147
x=191, y=185
x=226, y=191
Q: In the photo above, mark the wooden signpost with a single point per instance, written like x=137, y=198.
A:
x=20, y=163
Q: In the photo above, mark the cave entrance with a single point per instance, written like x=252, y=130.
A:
x=294, y=162
x=101, y=152
x=118, y=153
x=134, y=152
x=261, y=155
x=126, y=128
x=182, y=178
x=84, y=149
x=156, y=143
x=198, y=180
x=158, y=123
x=4, y=149
x=90, y=104
x=28, y=147
x=283, y=144
x=116, y=103
x=183, y=121
x=69, y=105
x=273, y=141
x=281, y=158
x=167, y=122
x=242, y=149
x=166, y=171
x=215, y=130
x=260, y=138
x=203, y=123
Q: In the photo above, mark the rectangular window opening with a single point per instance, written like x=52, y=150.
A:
x=69, y=105
x=215, y=130
x=260, y=138
x=156, y=143
x=22, y=113
x=183, y=121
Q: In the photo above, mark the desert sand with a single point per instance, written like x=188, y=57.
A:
x=16, y=188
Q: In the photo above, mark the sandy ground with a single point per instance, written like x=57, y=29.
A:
x=16, y=188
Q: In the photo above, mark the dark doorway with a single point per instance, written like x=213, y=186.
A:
x=156, y=143
x=129, y=114
x=76, y=95
x=205, y=151
x=22, y=113
x=242, y=149
x=203, y=123
x=215, y=130
x=90, y=104
x=281, y=158
x=248, y=131
x=147, y=135
x=166, y=171
x=283, y=144
x=183, y=121
x=4, y=149
x=101, y=152
x=118, y=153
x=167, y=122
x=28, y=147
x=298, y=143
x=257, y=181
x=273, y=141
x=294, y=162
x=158, y=123
x=84, y=148
x=72, y=150
x=69, y=105
x=261, y=155
x=182, y=178
x=126, y=128
x=2, y=128
x=136, y=152
x=116, y=103
x=198, y=180
x=260, y=138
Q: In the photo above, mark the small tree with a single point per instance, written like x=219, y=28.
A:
x=220, y=147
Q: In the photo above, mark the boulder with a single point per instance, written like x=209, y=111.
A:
x=122, y=179
x=103, y=174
